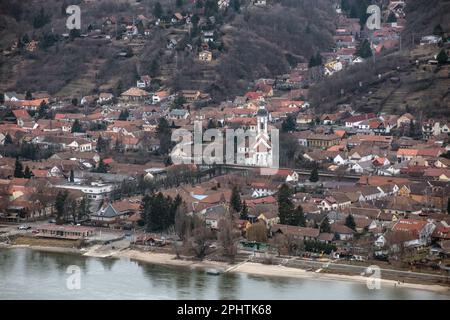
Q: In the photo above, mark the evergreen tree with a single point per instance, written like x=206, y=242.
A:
x=235, y=199
x=236, y=5
x=211, y=8
x=438, y=31
x=350, y=222
x=244, y=211
x=18, y=169
x=298, y=217
x=2, y=97
x=319, y=60
x=164, y=135
x=76, y=126
x=391, y=18
x=158, y=11
x=154, y=68
x=314, y=176
x=42, y=111
x=102, y=167
x=28, y=95
x=27, y=173
x=119, y=88
x=345, y=6
x=442, y=57
x=124, y=114
x=179, y=3
x=448, y=206
x=60, y=205
x=289, y=124
x=364, y=50
x=102, y=144
x=158, y=212
x=325, y=225
x=41, y=19
x=72, y=176
x=74, y=33
x=285, y=205
x=83, y=209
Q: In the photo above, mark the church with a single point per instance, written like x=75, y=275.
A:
x=258, y=151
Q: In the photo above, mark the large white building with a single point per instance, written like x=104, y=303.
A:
x=257, y=149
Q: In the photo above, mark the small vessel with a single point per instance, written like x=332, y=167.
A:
x=213, y=272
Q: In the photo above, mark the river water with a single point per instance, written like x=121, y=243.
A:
x=30, y=274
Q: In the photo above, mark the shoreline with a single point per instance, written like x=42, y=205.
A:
x=259, y=269
x=250, y=268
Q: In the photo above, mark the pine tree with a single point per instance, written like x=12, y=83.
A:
x=60, y=205
x=345, y=6
x=28, y=95
x=350, y=222
x=289, y=124
x=325, y=226
x=18, y=169
x=72, y=176
x=27, y=173
x=76, y=126
x=158, y=11
x=102, y=144
x=392, y=18
x=164, y=134
x=236, y=5
x=285, y=205
x=42, y=111
x=102, y=167
x=244, y=211
x=438, y=31
x=442, y=57
x=83, y=209
x=235, y=199
x=179, y=3
x=448, y=206
x=314, y=176
x=124, y=114
x=364, y=50
x=298, y=217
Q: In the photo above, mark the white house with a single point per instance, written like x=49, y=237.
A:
x=263, y=189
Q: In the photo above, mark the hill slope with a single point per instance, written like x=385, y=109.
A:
x=255, y=42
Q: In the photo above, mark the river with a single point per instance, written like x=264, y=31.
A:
x=30, y=274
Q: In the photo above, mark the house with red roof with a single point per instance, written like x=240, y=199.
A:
x=419, y=230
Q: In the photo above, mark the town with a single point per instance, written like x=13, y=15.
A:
x=100, y=173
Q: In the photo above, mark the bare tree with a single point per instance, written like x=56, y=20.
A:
x=201, y=236
x=280, y=243
x=257, y=232
x=228, y=235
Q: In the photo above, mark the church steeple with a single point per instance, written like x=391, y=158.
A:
x=262, y=118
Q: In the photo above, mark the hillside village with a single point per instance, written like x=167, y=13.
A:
x=351, y=186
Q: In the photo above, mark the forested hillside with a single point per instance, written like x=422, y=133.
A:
x=252, y=42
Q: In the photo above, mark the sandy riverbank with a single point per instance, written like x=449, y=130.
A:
x=269, y=270
x=281, y=271
x=169, y=259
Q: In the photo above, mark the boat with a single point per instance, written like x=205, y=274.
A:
x=213, y=272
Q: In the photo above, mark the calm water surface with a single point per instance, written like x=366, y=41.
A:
x=29, y=274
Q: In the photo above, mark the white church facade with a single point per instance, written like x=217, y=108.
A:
x=258, y=150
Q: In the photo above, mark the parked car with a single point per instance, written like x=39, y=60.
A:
x=24, y=227
x=35, y=231
x=52, y=221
